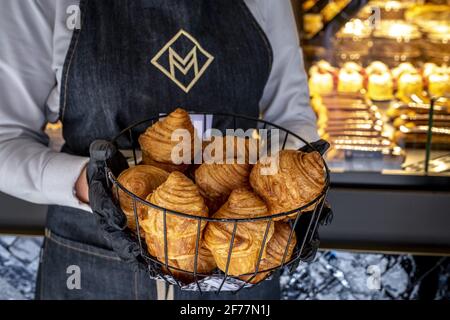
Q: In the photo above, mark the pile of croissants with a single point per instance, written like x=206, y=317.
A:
x=232, y=190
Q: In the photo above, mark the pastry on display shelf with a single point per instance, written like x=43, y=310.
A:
x=354, y=126
x=404, y=67
x=308, y=4
x=330, y=11
x=380, y=86
x=368, y=126
x=361, y=141
x=351, y=102
x=355, y=28
x=321, y=83
x=409, y=83
x=412, y=134
x=439, y=120
x=397, y=108
x=426, y=14
x=396, y=41
x=353, y=66
x=428, y=69
x=439, y=82
x=322, y=78
x=398, y=30
x=436, y=43
x=322, y=66
x=377, y=67
x=350, y=79
x=434, y=21
x=391, y=9
x=334, y=136
x=353, y=41
x=346, y=114
x=312, y=23
x=333, y=8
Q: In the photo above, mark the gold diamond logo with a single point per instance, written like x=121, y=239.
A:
x=183, y=60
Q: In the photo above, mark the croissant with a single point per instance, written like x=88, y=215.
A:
x=299, y=179
x=275, y=250
x=141, y=181
x=169, y=167
x=249, y=236
x=233, y=147
x=217, y=180
x=179, y=194
x=205, y=264
x=156, y=142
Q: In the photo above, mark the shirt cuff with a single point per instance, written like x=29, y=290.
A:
x=59, y=178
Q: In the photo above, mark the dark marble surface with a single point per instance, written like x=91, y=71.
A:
x=332, y=275
x=19, y=260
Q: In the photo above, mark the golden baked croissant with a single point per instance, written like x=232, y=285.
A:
x=169, y=167
x=140, y=180
x=179, y=194
x=233, y=147
x=299, y=179
x=247, y=244
x=205, y=264
x=275, y=250
x=217, y=180
x=156, y=142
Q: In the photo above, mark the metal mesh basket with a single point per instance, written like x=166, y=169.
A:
x=304, y=225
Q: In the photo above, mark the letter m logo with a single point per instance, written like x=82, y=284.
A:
x=168, y=61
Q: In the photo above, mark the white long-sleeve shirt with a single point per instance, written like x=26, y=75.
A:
x=34, y=40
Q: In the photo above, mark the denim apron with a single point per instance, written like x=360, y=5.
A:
x=132, y=60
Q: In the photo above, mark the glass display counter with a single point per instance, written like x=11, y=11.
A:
x=379, y=81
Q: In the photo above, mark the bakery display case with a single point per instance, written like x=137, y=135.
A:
x=379, y=80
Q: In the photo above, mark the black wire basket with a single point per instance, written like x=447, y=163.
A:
x=304, y=226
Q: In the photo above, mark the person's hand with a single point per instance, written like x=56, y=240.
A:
x=111, y=220
x=82, y=187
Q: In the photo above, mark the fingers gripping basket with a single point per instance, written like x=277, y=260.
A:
x=300, y=236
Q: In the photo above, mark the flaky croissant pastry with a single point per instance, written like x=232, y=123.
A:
x=205, y=264
x=299, y=179
x=141, y=181
x=169, y=167
x=230, y=147
x=179, y=194
x=156, y=142
x=275, y=250
x=247, y=244
x=217, y=180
